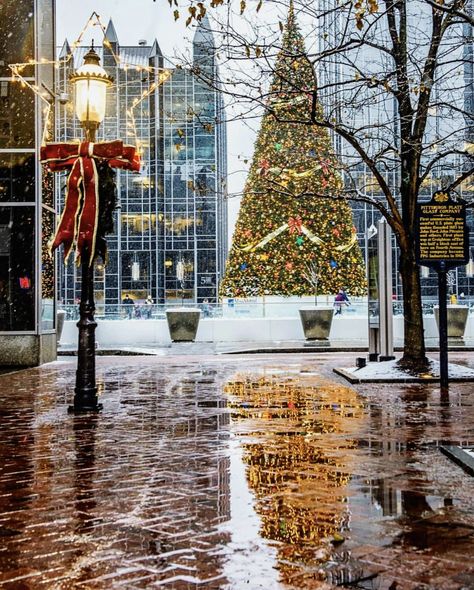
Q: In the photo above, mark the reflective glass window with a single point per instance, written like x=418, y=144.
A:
x=17, y=177
x=17, y=268
x=16, y=34
x=17, y=117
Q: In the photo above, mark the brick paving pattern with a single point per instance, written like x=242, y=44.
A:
x=242, y=472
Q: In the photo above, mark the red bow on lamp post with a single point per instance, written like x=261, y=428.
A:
x=79, y=221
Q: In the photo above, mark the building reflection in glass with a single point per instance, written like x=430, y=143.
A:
x=297, y=431
x=176, y=209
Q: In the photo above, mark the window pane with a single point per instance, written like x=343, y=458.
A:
x=17, y=177
x=17, y=117
x=17, y=268
x=16, y=34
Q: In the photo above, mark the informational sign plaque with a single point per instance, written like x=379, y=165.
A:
x=442, y=243
x=442, y=233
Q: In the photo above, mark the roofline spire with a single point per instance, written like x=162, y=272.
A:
x=111, y=33
x=65, y=49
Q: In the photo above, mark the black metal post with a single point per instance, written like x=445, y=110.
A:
x=443, y=327
x=85, y=392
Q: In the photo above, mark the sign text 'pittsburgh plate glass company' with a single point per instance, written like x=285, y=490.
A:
x=443, y=235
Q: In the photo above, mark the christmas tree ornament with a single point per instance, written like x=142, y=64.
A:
x=264, y=166
x=295, y=224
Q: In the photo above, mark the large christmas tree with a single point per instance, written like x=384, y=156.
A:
x=281, y=233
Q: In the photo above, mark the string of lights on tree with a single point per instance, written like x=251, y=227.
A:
x=280, y=231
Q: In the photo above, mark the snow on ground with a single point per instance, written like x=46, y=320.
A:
x=390, y=371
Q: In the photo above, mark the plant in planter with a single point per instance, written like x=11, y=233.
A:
x=182, y=321
x=457, y=314
x=316, y=321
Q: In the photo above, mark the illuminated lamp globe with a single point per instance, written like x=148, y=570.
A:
x=90, y=83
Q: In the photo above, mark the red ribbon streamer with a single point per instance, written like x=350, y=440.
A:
x=295, y=224
x=79, y=220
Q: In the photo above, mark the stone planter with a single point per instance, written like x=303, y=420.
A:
x=183, y=323
x=316, y=322
x=457, y=319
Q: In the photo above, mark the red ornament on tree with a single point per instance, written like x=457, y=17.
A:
x=264, y=167
x=295, y=224
x=325, y=163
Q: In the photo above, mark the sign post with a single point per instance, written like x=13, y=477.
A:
x=379, y=251
x=442, y=244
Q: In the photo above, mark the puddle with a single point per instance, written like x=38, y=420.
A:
x=295, y=434
x=322, y=488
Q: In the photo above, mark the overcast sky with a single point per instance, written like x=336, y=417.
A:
x=145, y=19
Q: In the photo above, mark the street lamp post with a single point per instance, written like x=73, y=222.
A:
x=88, y=207
x=90, y=84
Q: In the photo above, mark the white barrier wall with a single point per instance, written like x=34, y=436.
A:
x=110, y=333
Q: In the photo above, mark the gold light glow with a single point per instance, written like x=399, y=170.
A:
x=90, y=84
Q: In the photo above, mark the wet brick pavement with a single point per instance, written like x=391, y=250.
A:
x=243, y=472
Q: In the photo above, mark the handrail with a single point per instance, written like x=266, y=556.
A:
x=234, y=309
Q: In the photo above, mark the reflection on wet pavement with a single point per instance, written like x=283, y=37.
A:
x=203, y=475
x=296, y=433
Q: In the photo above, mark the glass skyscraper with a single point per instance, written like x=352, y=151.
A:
x=170, y=237
x=454, y=84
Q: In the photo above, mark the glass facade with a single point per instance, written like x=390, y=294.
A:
x=379, y=117
x=26, y=196
x=174, y=210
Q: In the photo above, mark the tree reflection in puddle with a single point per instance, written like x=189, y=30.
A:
x=296, y=432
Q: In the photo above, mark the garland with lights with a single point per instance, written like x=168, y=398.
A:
x=280, y=231
x=301, y=229
x=18, y=69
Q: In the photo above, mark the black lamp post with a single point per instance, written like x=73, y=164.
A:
x=90, y=84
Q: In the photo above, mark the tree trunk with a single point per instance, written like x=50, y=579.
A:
x=414, y=348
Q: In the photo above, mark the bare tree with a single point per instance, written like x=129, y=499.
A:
x=311, y=276
x=397, y=91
